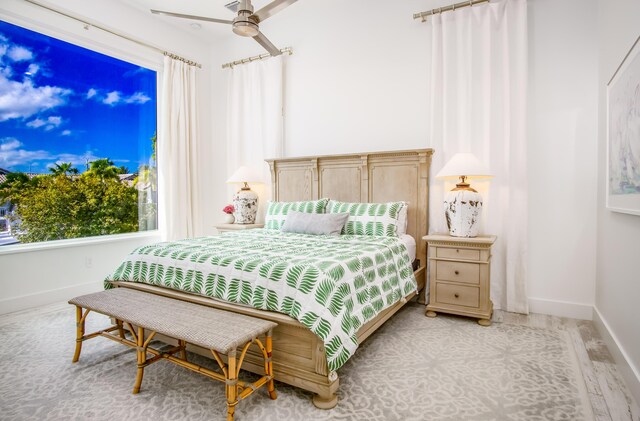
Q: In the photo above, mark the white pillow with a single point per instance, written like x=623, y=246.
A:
x=403, y=221
x=314, y=223
x=277, y=211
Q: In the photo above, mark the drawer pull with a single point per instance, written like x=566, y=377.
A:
x=456, y=295
x=457, y=251
x=457, y=273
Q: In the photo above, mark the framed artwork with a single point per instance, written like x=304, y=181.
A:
x=623, y=135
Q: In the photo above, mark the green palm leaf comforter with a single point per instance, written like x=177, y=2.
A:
x=330, y=284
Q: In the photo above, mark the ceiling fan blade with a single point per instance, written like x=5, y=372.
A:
x=180, y=15
x=262, y=40
x=233, y=6
x=272, y=8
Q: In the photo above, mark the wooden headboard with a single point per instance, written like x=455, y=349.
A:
x=362, y=177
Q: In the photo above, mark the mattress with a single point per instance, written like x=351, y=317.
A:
x=410, y=244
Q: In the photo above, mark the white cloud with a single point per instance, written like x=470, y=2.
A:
x=55, y=120
x=49, y=124
x=23, y=99
x=9, y=143
x=36, y=123
x=32, y=69
x=78, y=161
x=137, y=98
x=112, y=98
x=12, y=154
x=19, y=53
x=66, y=133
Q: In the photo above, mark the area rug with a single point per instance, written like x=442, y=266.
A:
x=413, y=368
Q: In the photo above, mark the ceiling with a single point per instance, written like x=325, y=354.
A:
x=208, y=8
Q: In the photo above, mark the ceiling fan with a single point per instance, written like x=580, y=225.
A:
x=246, y=23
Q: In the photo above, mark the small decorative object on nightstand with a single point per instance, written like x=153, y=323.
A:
x=459, y=276
x=236, y=227
x=228, y=214
x=245, y=201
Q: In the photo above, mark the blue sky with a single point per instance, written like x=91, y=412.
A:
x=63, y=103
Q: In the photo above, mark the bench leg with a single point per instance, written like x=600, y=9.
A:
x=231, y=385
x=271, y=388
x=120, y=329
x=141, y=352
x=183, y=351
x=80, y=319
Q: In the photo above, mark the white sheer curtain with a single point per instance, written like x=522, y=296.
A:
x=178, y=152
x=478, y=78
x=254, y=121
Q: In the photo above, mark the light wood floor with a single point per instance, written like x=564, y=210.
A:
x=610, y=398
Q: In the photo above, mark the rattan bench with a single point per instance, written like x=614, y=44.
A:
x=222, y=332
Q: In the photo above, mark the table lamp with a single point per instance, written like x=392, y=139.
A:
x=245, y=201
x=463, y=205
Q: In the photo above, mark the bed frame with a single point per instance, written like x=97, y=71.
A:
x=298, y=354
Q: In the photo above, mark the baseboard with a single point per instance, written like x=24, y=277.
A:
x=561, y=308
x=24, y=302
x=629, y=371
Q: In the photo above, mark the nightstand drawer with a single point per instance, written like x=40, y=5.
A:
x=458, y=272
x=457, y=295
x=450, y=253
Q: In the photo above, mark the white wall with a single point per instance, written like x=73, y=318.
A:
x=351, y=90
x=618, y=277
x=563, y=126
x=33, y=278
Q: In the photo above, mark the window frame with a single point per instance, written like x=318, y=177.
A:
x=64, y=28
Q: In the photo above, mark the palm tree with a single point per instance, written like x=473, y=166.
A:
x=104, y=168
x=63, y=168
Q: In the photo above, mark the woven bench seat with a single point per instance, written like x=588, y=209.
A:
x=199, y=325
x=220, y=331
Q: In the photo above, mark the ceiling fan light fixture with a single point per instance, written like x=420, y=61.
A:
x=245, y=29
x=246, y=23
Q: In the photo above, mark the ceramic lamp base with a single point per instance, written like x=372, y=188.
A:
x=463, y=209
x=245, y=203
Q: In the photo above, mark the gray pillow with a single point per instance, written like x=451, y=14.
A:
x=315, y=223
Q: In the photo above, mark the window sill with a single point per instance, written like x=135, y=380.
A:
x=76, y=242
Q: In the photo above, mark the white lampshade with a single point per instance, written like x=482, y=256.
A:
x=245, y=175
x=463, y=164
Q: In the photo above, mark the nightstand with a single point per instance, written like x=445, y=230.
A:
x=236, y=227
x=459, y=276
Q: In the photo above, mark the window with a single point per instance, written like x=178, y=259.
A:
x=77, y=140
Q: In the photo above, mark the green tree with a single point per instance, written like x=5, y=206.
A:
x=15, y=183
x=63, y=168
x=60, y=207
x=103, y=168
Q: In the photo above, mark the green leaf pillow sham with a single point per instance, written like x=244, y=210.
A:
x=379, y=219
x=277, y=211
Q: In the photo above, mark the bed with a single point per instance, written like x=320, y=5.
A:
x=301, y=357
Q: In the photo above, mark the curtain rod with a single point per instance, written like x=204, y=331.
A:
x=423, y=15
x=128, y=38
x=230, y=65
